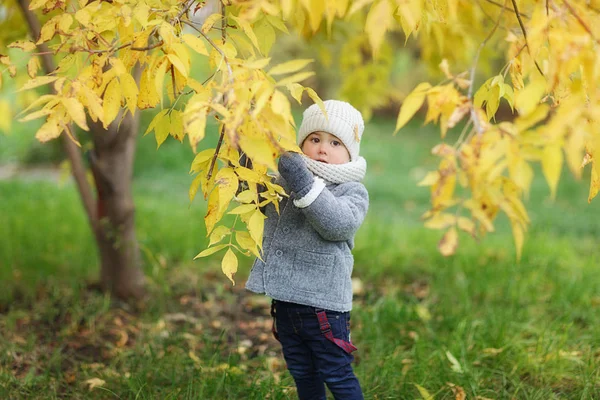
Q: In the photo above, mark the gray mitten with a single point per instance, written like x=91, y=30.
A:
x=293, y=169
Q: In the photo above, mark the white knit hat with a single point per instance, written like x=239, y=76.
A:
x=343, y=121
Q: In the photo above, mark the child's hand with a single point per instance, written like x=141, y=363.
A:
x=293, y=169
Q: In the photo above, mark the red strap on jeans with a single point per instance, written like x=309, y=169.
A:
x=326, y=331
x=273, y=327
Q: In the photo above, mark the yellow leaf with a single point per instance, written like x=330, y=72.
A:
x=211, y=217
x=256, y=225
x=75, y=111
x=280, y=105
x=431, y=178
x=210, y=21
x=83, y=16
x=112, y=102
x=32, y=66
x=289, y=67
x=247, y=174
x=194, y=187
x=295, y=78
x=218, y=234
x=245, y=25
x=162, y=129
x=159, y=78
x=177, y=63
x=424, y=393
x=35, y=4
x=527, y=99
x=266, y=36
x=449, y=242
x=176, y=129
x=25, y=45
x=257, y=64
x=39, y=81
x=246, y=242
x=412, y=104
x=519, y=237
x=64, y=23
x=211, y=250
x=247, y=196
x=552, y=160
x=466, y=225
x=148, y=97
x=594, y=185
x=379, y=20
x=228, y=184
x=229, y=265
x=50, y=130
x=201, y=159
x=440, y=221
x=155, y=120
x=48, y=31
x=130, y=91
x=195, y=43
x=141, y=12
x=243, y=209
x=259, y=150
x=196, y=128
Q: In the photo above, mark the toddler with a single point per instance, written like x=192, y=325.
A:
x=307, y=255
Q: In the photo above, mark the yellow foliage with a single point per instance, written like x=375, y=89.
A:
x=550, y=79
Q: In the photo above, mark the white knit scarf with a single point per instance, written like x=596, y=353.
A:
x=353, y=171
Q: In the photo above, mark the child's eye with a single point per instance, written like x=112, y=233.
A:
x=335, y=143
x=314, y=139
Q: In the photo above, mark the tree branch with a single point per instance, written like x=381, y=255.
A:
x=506, y=8
x=216, y=155
x=525, y=34
x=581, y=21
x=73, y=153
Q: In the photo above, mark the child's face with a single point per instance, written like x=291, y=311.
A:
x=325, y=147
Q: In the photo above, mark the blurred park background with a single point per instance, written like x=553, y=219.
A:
x=478, y=323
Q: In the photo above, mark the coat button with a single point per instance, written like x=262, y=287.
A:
x=286, y=230
x=279, y=253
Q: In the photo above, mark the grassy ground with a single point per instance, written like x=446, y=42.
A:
x=478, y=321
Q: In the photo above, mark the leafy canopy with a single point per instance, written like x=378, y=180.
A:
x=548, y=73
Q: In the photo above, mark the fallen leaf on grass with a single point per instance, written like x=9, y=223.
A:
x=459, y=393
x=424, y=393
x=456, y=367
x=95, y=382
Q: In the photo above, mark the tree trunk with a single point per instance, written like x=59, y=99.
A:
x=112, y=167
x=111, y=216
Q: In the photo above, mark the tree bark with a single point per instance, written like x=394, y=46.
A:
x=111, y=216
x=112, y=166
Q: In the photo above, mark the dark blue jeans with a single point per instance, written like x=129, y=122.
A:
x=311, y=358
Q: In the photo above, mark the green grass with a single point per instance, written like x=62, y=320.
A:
x=527, y=330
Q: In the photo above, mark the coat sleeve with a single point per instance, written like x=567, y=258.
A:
x=338, y=217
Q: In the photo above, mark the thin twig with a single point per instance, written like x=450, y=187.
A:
x=481, y=46
x=581, y=21
x=215, y=47
x=173, y=82
x=506, y=8
x=514, y=2
x=185, y=9
x=217, y=149
x=472, y=74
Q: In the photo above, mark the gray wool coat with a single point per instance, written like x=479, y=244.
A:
x=307, y=251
